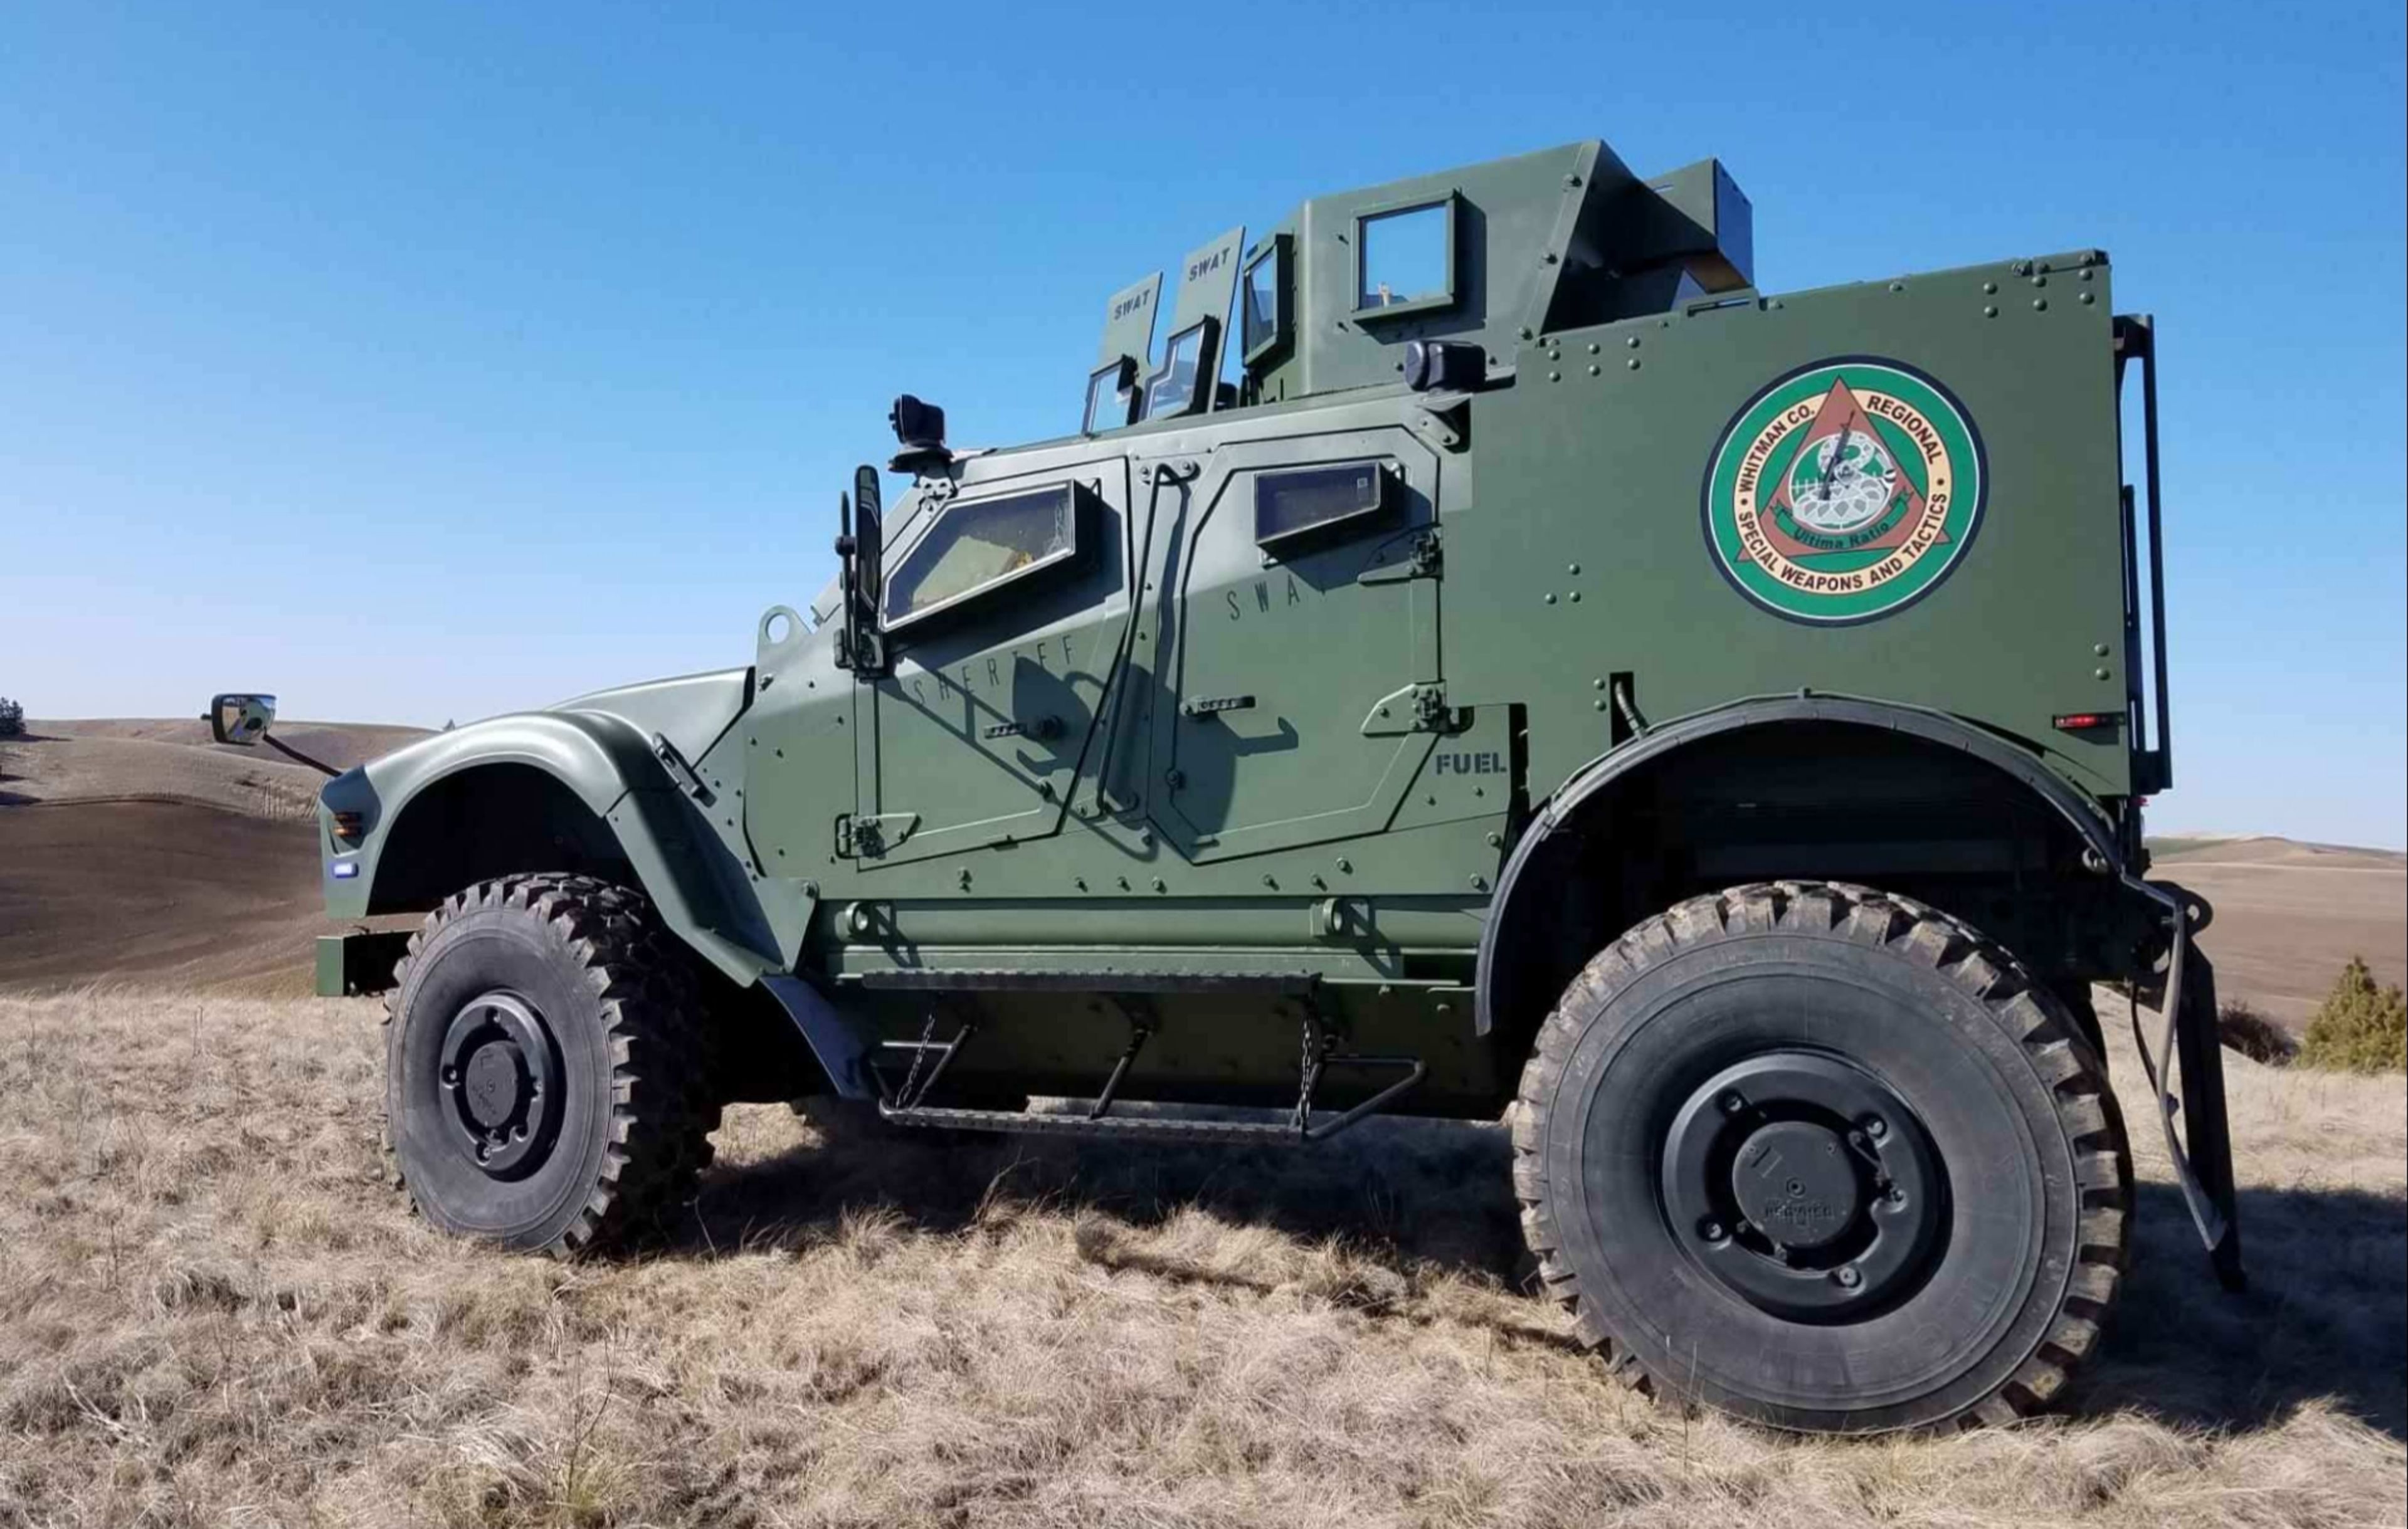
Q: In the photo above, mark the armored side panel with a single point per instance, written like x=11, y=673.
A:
x=1487, y=256
x=1703, y=501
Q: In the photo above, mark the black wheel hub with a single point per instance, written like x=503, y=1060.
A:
x=1805, y=1185
x=501, y=1081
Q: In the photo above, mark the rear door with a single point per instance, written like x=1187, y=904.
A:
x=1300, y=628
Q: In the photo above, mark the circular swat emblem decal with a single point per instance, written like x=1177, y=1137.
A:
x=1844, y=491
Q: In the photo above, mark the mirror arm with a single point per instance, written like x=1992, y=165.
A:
x=290, y=752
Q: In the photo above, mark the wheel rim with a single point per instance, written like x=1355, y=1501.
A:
x=501, y=1083
x=1805, y=1186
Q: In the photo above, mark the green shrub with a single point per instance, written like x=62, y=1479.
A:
x=12, y=718
x=2360, y=1028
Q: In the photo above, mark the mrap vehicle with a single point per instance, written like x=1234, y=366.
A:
x=1510, y=665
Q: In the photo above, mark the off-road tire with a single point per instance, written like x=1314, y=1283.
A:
x=1664, y=996
x=619, y=998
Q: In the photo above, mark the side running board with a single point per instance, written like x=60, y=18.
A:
x=852, y=1060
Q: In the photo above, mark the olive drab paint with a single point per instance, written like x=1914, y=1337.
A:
x=1318, y=636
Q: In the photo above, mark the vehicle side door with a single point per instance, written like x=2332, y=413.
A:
x=1004, y=616
x=1298, y=628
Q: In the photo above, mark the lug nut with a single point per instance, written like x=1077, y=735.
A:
x=450, y=1077
x=1876, y=1127
x=1849, y=1279
x=1714, y=1232
x=1895, y=1199
x=1732, y=1104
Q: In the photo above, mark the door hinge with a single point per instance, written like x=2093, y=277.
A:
x=1415, y=708
x=679, y=770
x=863, y=651
x=1430, y=713
x=866, y=837
x=1414, y=556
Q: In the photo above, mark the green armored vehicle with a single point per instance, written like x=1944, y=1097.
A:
x=1512, y=667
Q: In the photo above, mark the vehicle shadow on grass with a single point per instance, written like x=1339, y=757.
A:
x=1416, y=1196
x=2326, y=1317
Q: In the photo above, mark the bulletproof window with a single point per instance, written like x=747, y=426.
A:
x=1305, y=504
x=1405, y=259
x=1262, y=298
x=978, y=547
x=1111, y=396
x=1178, y=387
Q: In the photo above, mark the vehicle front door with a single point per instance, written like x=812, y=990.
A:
x=1004, y=615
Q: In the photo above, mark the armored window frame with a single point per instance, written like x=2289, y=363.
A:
x=1336, y=525
x=1075, y=516
x=1208, y=370
x=1121, y=374
x=1365, y=217
x=1274, y=252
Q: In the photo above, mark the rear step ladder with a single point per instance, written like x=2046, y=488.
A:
x=1132, y=994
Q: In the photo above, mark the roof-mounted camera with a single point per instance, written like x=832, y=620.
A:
x=920, y=428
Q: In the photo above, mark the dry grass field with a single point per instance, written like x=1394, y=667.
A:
x=213, y=1311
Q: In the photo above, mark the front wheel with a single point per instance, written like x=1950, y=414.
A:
x=1824, y=1158
x=546, y=1081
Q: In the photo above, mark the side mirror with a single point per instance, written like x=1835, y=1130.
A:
x=869, y=540
x=240, y=719
x=860, y=550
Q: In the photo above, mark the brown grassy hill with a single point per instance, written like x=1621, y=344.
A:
x=2287, y=915
x=197, y=897
x=141, y=850
x=339, y=744
x=213, y=1309
x=152, y=759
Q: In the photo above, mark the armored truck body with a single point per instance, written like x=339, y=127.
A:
x=1512, y=667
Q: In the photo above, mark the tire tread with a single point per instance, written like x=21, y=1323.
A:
x=2023, y=1009
x=663, y=1106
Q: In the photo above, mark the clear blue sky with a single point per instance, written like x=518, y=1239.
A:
x=428, y=361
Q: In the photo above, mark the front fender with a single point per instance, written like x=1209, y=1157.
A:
x=599, y=758
x=607, y=762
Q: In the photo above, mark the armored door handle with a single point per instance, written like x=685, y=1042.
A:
x=1212, y=706
x=1043, y=728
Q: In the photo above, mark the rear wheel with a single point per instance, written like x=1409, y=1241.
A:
x=1827, y=1159
x=546, y=1085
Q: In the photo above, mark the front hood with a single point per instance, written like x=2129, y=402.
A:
x=691, y=711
